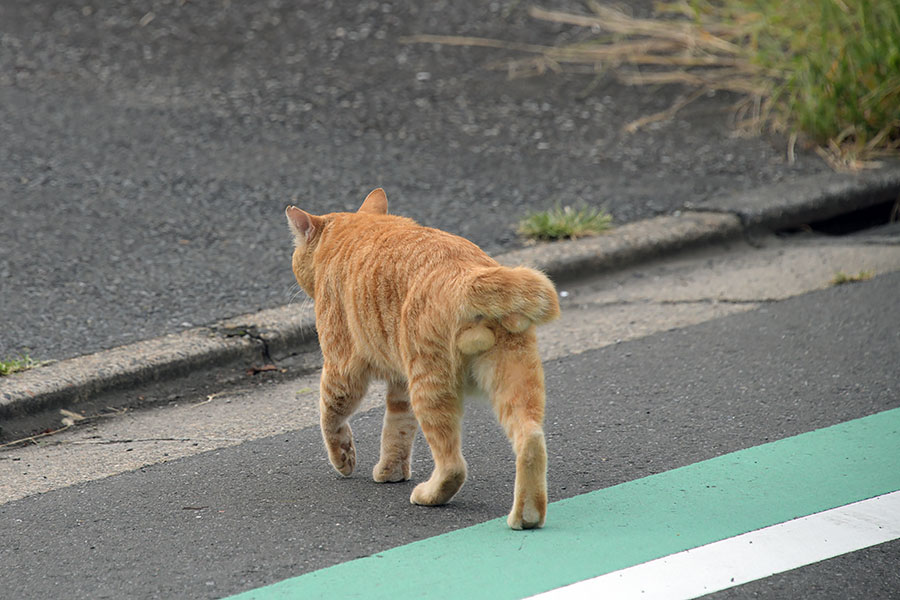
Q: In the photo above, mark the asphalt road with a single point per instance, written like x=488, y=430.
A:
x=147, y=150
x=235, y=518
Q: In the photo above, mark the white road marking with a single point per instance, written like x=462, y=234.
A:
x=748, y=557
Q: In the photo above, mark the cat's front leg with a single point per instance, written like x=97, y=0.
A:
x=340, y=397
x=397, y=436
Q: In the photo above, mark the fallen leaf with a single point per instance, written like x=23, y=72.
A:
x=254, y=369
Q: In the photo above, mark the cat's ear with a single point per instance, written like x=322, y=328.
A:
x=303, y=224
x=375, y=203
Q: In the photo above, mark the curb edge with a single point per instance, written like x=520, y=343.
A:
x=278, y=331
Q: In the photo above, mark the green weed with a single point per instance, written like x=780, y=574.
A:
x=841, y=278
x=14, y=365
x=834, y=68
x=565, y=222
x=826, y=72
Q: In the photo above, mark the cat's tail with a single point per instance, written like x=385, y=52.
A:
x=515, y=297
x=499, y=292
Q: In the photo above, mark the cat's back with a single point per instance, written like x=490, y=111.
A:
x=389, y=278
x=399, y=245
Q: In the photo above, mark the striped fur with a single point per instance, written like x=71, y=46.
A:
x=430, y=313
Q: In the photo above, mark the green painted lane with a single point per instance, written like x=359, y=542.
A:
x=627, y=524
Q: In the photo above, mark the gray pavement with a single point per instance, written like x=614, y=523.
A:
x=253, y=513
x=207, y=409
x=147, y=150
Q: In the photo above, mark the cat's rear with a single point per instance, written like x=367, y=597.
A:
x=427, y=311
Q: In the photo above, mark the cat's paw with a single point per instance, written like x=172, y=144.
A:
x=437, y=491
x=344, y=460
x=530, y=500
x=342, y=451
x=529, y=515
x=387, y=472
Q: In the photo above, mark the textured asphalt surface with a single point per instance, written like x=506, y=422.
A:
x=232, y=519
x=147, y=150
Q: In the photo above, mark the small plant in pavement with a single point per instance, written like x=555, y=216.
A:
x=14, y=365
x=841, y=277
x=565, y=222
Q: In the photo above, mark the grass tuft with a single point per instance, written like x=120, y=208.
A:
x=15, y=365
x=565, y=222
x=825, y=72
x=835, y=68
x=841, y=278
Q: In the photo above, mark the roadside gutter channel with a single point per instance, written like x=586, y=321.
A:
x=30, y=401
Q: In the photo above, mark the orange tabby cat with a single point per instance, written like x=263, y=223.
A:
x=433, y=315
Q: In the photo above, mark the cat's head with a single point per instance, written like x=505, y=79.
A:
x=308, y=229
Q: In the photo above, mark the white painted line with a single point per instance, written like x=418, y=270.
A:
x=747, y=557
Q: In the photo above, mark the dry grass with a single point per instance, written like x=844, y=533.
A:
x=823, y=72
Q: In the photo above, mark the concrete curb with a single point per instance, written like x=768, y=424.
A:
x=274, y=333
x=625, y=245
x=808, y=199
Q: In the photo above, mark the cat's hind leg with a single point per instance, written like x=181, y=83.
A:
x=511, y=373
x=339, y=399
x=397, y=435
x=436, y=399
